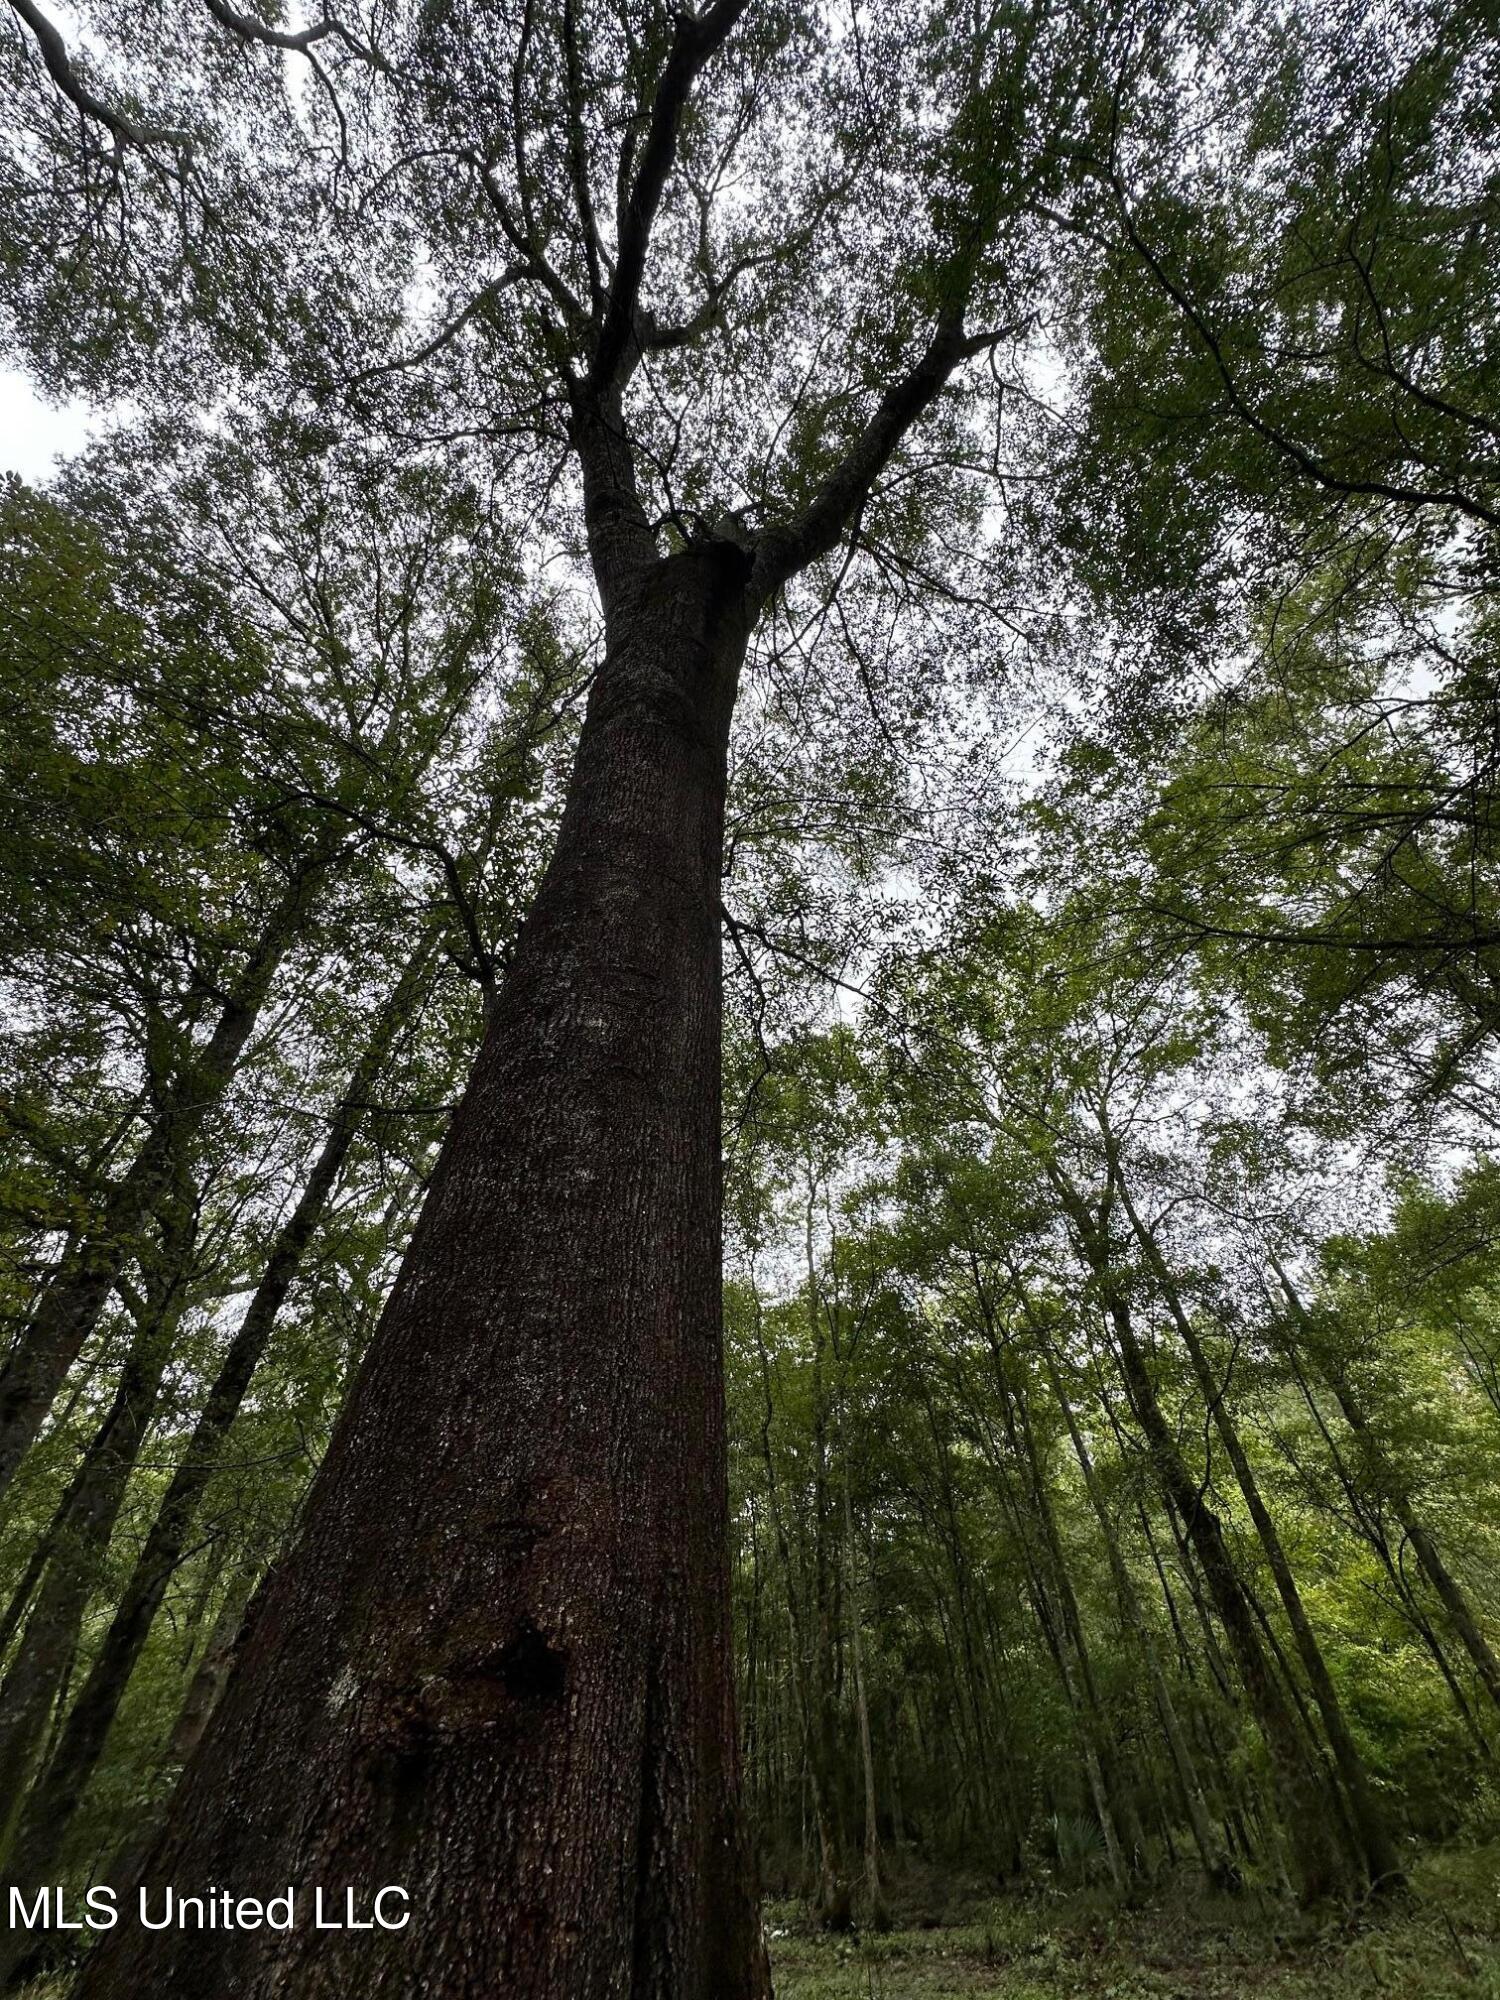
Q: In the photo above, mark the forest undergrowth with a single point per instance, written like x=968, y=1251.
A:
x=953, y=1939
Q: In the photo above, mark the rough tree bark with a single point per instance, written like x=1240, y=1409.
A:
x=495, y=1669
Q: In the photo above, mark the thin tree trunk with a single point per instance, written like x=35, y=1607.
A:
x=204, y=1687
x=829, y=1875
x=972, y=1680
x=1109, y=1804
x=60, y=1789
x=496, y=1666
x=1216, y=1864
x=1376, y=1846
x=1306, y=1811
x=206, y=1683
x=1371, y=1528
x=69, y=1308
x=1050, y=1583
x=1449, y=1592
x=835, y=1891
x=43, y=1660
x=876, y=1914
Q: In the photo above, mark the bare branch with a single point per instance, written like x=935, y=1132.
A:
x=578, y=160
x=521, y=239
x=656, y=339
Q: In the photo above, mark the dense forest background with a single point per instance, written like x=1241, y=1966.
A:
x=1111, y=953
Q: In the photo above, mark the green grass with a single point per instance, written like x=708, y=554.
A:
x=1440, y=1942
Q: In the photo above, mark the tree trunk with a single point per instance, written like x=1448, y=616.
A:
x=1444, y=1583
x=835, y=1900
x=826, y=1886
x=1305, y=1808
x=206, y=1682
x=876, y=1914
x=1376, y=1848
x=997, y=1796
x=30, y=1955
x=69, y=1308
x=1054, y=1600
x=496, y=1667
x=1369, y=1525
x=1306, y=1815
x=43, y=1660
x=1124, y=1856
x=1216, y=1864
x=60, y=1788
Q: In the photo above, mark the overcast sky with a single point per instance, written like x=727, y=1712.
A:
x=34, y=433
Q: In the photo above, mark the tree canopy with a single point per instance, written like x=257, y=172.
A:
x=747, y=905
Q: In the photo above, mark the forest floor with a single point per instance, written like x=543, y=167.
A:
x=1440, y=1940
x=952, y=1941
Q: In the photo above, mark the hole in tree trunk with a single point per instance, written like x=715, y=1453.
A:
x=529, y=1668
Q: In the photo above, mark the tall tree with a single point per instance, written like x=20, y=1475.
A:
x=555, y=1718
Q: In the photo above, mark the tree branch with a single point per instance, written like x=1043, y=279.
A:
x=696, y=40
x=578, y=159
x=454, y=327
x=1298, y=454
x=657, y=339
x=300, y=40
x=782, y=552
x=125, y=130
x=537, y=267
